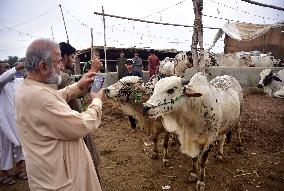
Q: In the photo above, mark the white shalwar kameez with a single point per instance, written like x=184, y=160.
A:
x=10, y=146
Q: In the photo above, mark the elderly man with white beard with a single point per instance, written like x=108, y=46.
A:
x=50, y=131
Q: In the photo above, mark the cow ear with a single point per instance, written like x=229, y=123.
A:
x=276, y=78
x=191, y=92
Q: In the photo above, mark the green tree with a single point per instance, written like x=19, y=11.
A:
x=12, y=60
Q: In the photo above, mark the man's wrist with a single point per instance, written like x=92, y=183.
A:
x=98, y=102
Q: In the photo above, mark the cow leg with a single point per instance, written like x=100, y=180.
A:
x=239, y=137
x=221, y=148
x=132, y=123
x=200, y=185
x=193, y=174
x=166, y=160
x=229, y=136
x=155, y=149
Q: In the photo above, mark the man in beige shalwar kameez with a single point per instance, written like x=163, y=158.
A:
x=52, y=133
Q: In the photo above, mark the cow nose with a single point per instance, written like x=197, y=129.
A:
x=146, y=109
x=259, y=85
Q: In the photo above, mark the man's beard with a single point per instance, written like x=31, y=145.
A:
x=54, y=79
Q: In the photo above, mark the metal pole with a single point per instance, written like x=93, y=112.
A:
x=104, y=22
x=64, y=23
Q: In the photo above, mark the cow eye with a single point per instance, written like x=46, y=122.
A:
x=170, y=91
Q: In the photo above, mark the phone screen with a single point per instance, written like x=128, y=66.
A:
x=98, y=83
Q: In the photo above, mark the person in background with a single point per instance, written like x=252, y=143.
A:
x=50, y=131
x=20, y=73
x=138, y=66
x=130, y=69
x=153, y=63
x=121, y=69
x=66, y=67
x=281, y=63
x=68, y=59
x=10, y=145
x=131, y=72
x=111, y=66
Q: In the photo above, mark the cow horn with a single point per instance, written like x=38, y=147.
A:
x=184, y=82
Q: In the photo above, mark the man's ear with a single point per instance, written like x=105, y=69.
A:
x=191, y=92
x=42, y=66
x=65, y=57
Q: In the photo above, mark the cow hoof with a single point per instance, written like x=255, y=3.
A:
x=219, y=157
x=238, y=149
x=166, y=162
x=200, y=186
x=192, y=178
x=155, y=156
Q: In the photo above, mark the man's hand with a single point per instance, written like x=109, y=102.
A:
x=20, y=66
x=100, y=94
x=96, y=64
x=85, y=82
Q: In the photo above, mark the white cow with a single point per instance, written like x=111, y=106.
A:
x=199, y=113
x=240, y=59
x=175, y=66
x=128, y=93
x=272, y=83
x=169, y=67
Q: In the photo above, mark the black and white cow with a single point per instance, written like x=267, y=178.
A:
x=272, y=83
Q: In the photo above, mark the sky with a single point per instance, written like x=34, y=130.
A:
x=22, y=21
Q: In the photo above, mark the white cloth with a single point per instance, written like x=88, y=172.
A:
x=8, y=152
x=244, y=31
x=8, y=84
x=9, y=140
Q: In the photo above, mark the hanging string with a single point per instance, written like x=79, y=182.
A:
x=249, y=13
x=19, y=32
x=32, y=19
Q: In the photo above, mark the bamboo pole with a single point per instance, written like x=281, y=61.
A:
x=104, y=22
x=64, y=23
x=92, y=50
x=197, y=37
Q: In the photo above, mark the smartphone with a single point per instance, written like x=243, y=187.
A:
x=97, y=84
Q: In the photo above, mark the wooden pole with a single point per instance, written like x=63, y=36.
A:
x=104, y=22
x=197, y=37
x=64, y=23
x=52, y=33
x=92, y=51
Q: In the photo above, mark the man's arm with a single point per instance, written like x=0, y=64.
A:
x=70, y=92
x=138, y=73
x=77, y=89
x=140, y=61
x=6, y=77
x=66, y=124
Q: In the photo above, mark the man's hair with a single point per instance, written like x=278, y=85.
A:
x=66, y=48
x=129, y=62
x=37, y=51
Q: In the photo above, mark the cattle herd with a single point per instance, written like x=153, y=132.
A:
x=200, y=112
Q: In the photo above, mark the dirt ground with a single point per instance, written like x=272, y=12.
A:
x=126, y=162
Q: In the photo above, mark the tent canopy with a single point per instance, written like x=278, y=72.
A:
x=250, y=37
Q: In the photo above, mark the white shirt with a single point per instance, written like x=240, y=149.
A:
x=8, y=84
